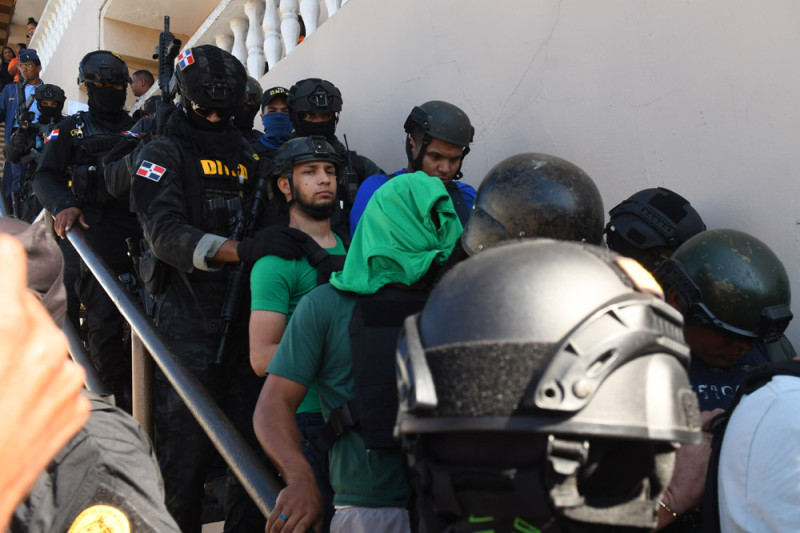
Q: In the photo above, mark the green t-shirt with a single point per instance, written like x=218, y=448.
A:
x=316, y=346
x=277, y=284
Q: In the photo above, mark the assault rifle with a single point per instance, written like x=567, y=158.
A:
x=238, y=276
x=166, y=52
x=23, y=116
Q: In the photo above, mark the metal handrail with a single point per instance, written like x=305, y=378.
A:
x=262, y=487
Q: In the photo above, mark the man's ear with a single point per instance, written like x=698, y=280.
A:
x=412, y=143
x=285, y=188
x=673, y=299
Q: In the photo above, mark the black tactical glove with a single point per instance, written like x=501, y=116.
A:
x=273, y=240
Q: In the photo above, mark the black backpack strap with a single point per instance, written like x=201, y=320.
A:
x=754, y=380
x=374, y=328
x=341, y=420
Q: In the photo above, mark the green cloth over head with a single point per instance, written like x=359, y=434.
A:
x=396, y=240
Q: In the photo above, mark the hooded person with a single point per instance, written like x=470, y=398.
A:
x=342, y=336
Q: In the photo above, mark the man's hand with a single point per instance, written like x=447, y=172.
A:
x=41, y=407
x=65, y=220
x=688, y=482
x=301, y=504
x=275, y=425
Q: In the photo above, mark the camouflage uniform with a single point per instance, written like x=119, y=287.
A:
x=185, y=187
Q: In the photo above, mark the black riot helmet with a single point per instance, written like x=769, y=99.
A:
x=314, y=95
x=102, y=66
x=534, y=195
x=730, y=281
x=48, y=91
x=209, y=78
x=437, y=120
x=554, y=396
x=651, y=224
x=301, y=150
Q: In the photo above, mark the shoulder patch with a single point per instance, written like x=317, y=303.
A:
x=53, y=135
x=185, y=59
x=101, y=518
x=150, y=171
x=131, y=134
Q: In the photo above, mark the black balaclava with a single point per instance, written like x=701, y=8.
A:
x=46, y=113
x=326, y=129
x=106, y=102
x=243, y=118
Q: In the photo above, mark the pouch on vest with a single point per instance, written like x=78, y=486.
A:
x=152, y=271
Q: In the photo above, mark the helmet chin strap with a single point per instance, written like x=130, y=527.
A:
x=416, y=164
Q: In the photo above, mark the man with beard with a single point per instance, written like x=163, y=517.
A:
x=305, y=178
x=187, y=186
x=69, y=183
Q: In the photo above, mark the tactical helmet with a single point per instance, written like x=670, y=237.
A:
x=302, y=150
x=437, y=120
x=650, y=223
x=48, y=91
x=729, y=280
x=443, y=121
x=562, y=355
x=102, y=66
x=534, y=195
x=252, y=93
x=313, y=95
x=211, y=78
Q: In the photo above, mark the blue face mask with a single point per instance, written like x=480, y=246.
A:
x=277, y=129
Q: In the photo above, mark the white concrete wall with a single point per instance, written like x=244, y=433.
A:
x=81, y=37
x=697, y=96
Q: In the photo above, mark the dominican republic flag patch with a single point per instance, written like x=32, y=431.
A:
x=150, y=171
x=185, y=59
x=53, y=135
x=130, y=134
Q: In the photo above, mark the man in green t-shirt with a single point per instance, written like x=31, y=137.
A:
x=305, y=180
x=409, y=226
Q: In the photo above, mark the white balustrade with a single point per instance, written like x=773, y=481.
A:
x=53, y=23
x=333, y=7
x=273, y=44
x=254, y=9
x=309, y=10
x=224, y=41
x=239, y=29
x=290, y=26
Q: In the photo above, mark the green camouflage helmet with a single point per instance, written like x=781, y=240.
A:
x=534, y=195
x=252, y=93
x=729, y=280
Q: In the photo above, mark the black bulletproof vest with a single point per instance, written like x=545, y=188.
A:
x=91, y=143
x=374, y=329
